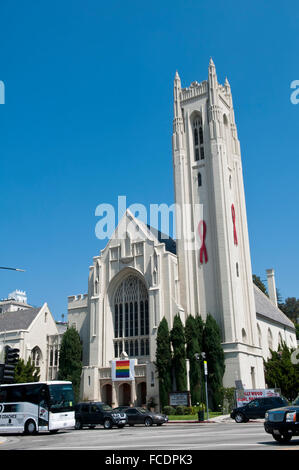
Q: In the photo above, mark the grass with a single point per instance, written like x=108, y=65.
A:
x=212, y=414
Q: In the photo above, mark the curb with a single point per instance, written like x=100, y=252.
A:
x=218, y=419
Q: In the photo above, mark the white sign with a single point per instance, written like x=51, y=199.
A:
x=245, y=396
x=179, y=398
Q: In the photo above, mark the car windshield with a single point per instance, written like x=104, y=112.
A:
x=142, y=410
x=296, y=401
x=106, y=407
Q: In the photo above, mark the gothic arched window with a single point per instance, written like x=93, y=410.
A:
x=199, y=153
x=36, y=356
x=131, y=317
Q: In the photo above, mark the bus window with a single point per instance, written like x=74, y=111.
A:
x=61, y=398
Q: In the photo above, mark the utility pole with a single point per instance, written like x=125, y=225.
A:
x=205, y=365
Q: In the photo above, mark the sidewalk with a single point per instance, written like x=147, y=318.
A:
x=215, y=419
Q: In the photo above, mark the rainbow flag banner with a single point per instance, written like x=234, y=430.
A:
x=123, y=369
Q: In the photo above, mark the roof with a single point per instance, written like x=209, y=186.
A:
x=18, y=319
x=170, y=244
x=266, y=308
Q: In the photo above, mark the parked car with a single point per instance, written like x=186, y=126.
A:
x=93, y=413
x=138, y=415
x=283, y=423
x=256, y=408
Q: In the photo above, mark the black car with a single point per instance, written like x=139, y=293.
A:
x=283, y=423
x=92, y=413
x=140, y=415
x=256, y=408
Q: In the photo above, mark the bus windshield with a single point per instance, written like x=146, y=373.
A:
x=61, y=398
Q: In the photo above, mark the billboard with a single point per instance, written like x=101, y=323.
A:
x=245, y=396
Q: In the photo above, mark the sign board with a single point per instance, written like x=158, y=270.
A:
x=123, y=370
x=245, y=396
x=179, y=399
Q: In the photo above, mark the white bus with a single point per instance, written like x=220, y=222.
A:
x=37, y=406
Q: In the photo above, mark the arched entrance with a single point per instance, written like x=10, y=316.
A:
x=107, y=394
x=124, y=395
x=141, y=393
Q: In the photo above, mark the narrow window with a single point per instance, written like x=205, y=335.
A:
x=199, y=179
x=199, y=153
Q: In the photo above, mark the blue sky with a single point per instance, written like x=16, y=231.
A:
x=88, y=117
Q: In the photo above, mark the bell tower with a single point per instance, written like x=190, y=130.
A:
x=211, y=222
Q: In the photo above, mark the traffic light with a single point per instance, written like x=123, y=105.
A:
x=11, y=359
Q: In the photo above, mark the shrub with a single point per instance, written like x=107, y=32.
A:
x=188, y=410
x=169, y=410
x=180, y=410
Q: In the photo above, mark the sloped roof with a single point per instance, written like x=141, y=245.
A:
x=18, y=319
x=170, y=244
x=266, y=308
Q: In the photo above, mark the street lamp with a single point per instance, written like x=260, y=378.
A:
x=13, y=269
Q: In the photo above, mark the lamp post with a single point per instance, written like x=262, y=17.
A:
x=13, y=269
x=205, y=365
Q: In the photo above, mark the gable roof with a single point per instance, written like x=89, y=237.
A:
x=266, y=308
x=18, y=319
x=170, y=244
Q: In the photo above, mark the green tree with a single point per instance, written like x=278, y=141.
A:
x=259, y=283
x=163, y=362
x=281, y=373
x=193, y=348
x=290, y=308
x=26, y=372
x=177, y=337
x=70, y=360
x=215, y=360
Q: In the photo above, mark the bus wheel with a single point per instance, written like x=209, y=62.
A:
x=30, y=427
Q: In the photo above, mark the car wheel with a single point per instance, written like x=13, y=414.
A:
x=78, y=424
x=282, y=438
x=107, y=424
x=239, y=418
x=30, y=427
x=148, y=422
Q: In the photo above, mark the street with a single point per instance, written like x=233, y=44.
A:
x=206, y=436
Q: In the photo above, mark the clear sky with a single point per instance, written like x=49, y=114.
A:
x=88, y=117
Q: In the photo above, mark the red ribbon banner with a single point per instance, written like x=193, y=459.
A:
x=202, y=230
x=234, y=223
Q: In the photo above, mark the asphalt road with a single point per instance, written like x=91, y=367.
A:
x=204, y=436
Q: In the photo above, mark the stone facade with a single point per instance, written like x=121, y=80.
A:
x=140, y=277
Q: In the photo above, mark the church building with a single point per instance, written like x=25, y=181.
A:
x=143, y=275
